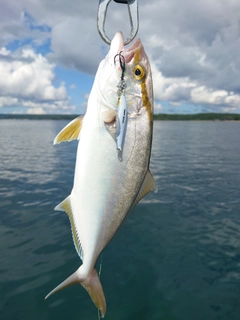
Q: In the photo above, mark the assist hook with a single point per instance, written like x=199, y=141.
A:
x=133, y=16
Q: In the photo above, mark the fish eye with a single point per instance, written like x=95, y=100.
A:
x=139, y=72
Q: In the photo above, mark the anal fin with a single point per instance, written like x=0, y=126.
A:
x=65, y=205
x=70, y=132
x=148, y=185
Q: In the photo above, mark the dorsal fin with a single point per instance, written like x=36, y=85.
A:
x=70, y=132
x=148, y=185
x=65, y=205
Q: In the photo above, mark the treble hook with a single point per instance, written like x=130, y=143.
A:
x=133, y=16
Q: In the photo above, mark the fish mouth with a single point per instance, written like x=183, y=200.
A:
x=130, y=52
x=117, y=46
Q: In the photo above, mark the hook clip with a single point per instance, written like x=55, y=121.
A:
x=133, y=16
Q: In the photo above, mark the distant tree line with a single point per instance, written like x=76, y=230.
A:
x=199, y=116
x=39, y=116
x=161, y=116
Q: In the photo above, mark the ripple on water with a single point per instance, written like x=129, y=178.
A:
x=176, y=257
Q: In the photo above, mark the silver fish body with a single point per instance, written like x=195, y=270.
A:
x=106, y=189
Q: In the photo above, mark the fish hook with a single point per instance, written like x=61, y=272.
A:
x=133, y=16
x=121, y=62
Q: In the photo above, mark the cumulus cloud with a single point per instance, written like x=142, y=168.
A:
x=158, y=108
x=27, y=80
x=195, y=52
x=193, y=47
x=17, y=25
x=74, y=46
x=37, y=110
x=72, y=86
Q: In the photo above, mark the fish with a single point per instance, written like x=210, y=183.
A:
x=107, y=187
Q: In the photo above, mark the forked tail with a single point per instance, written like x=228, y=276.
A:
x=91, y=283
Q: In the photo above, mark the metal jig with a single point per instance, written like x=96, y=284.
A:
x=122, y=115
x=133, y=16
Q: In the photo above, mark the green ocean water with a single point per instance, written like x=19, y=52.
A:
x=177, y=257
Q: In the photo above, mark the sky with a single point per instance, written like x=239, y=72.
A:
x=50, y=52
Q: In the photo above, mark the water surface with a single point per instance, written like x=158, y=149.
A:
x=177, y=257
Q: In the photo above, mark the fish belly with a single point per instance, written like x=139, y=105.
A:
x=92, y=184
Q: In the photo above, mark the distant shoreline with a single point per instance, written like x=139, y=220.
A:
x=161, y=116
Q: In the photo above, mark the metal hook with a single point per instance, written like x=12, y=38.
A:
x=133, y=15
x=121, y=62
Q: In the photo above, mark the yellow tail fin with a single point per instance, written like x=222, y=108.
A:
x=91, y=283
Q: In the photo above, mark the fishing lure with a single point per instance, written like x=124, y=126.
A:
x=122, y=108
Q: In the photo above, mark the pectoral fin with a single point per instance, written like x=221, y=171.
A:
x=70, y=132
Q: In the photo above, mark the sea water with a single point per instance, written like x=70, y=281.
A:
x=177, y=257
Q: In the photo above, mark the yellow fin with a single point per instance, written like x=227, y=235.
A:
x=91, y=283
x=65, y=205
x=70, y=132
x=148, y=185
x=94, y=287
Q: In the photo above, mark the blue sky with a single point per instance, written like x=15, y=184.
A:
x=50, y=51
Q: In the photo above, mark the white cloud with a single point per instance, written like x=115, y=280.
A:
x=28, y=75
x=86, y=96
x=27, y=80
x=8, y=101
x=178, y=90
x=15, y=25
x=158, y=108
x=72, y=86
x=85, y=102
x=193, y=46
x=196, y=45
x=73, y=45
x=36, y=111
x=203, y=95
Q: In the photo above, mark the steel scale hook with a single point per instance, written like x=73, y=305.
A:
x=133, y=16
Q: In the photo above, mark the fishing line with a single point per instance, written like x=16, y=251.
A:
x=99, y=274
x=100, y=267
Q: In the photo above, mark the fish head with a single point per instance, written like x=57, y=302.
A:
x=138, y=92
x=136, y=74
